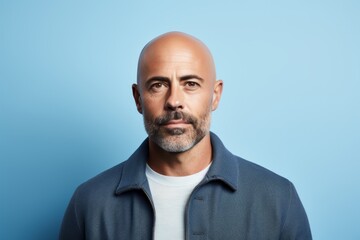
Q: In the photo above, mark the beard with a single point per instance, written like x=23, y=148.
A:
x=177, y=140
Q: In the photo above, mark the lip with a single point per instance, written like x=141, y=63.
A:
x=176, y=123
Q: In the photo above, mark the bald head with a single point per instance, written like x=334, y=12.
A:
x=175, y=46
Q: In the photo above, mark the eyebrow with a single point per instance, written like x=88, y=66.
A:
x=158, y=78
x=166, y=79
x=191, y=76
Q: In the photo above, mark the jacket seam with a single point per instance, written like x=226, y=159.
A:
x=288, y=208
x=76, y=212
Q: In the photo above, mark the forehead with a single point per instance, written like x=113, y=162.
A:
x=184, y=58
x=172, y=57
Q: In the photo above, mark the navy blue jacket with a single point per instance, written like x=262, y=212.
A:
x=237, y=199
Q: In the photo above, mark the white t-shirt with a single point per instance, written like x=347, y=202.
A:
x=170, y=195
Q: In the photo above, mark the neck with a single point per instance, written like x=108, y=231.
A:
x=180, y=164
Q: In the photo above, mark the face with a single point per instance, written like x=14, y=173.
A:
x=176, y=93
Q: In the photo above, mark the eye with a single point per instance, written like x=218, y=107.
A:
x=192, y=85
x=157, y=86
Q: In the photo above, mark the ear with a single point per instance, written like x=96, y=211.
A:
x=137, y=97
x=217, y=94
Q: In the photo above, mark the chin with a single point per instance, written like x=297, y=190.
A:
x=176, y=131
x=175, y=143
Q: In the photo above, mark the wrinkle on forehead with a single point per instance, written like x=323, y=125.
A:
x=175, y=45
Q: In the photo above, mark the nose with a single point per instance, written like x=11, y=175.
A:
x=174, y=100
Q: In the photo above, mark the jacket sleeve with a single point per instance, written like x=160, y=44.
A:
x=296, y=225
x=70, y=227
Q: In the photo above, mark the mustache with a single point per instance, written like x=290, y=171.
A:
x=176, y=115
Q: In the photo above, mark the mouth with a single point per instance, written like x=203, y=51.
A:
x=178, y=123
x=175, y=120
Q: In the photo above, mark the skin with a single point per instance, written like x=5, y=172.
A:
x=177, y=79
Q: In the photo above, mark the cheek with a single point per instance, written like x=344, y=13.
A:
x=152, y=106
x=200, y=103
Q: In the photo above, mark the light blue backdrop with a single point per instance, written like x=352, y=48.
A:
x=291, y=100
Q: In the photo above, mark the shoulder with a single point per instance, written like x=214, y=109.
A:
x=261, y=184
x=241, y=173
x=266, y=193
x=250, y=171
x=103, y=184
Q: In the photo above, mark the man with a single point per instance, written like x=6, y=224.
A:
x=182, y=183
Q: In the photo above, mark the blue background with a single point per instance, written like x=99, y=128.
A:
x=291, y=72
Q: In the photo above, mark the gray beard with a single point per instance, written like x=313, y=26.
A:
x=177, y=140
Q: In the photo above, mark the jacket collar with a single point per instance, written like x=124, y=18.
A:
x=222, y=168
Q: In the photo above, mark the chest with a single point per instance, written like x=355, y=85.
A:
x=210, y=212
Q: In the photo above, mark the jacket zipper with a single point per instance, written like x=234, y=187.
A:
x=202, y=183
x=154, y=213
